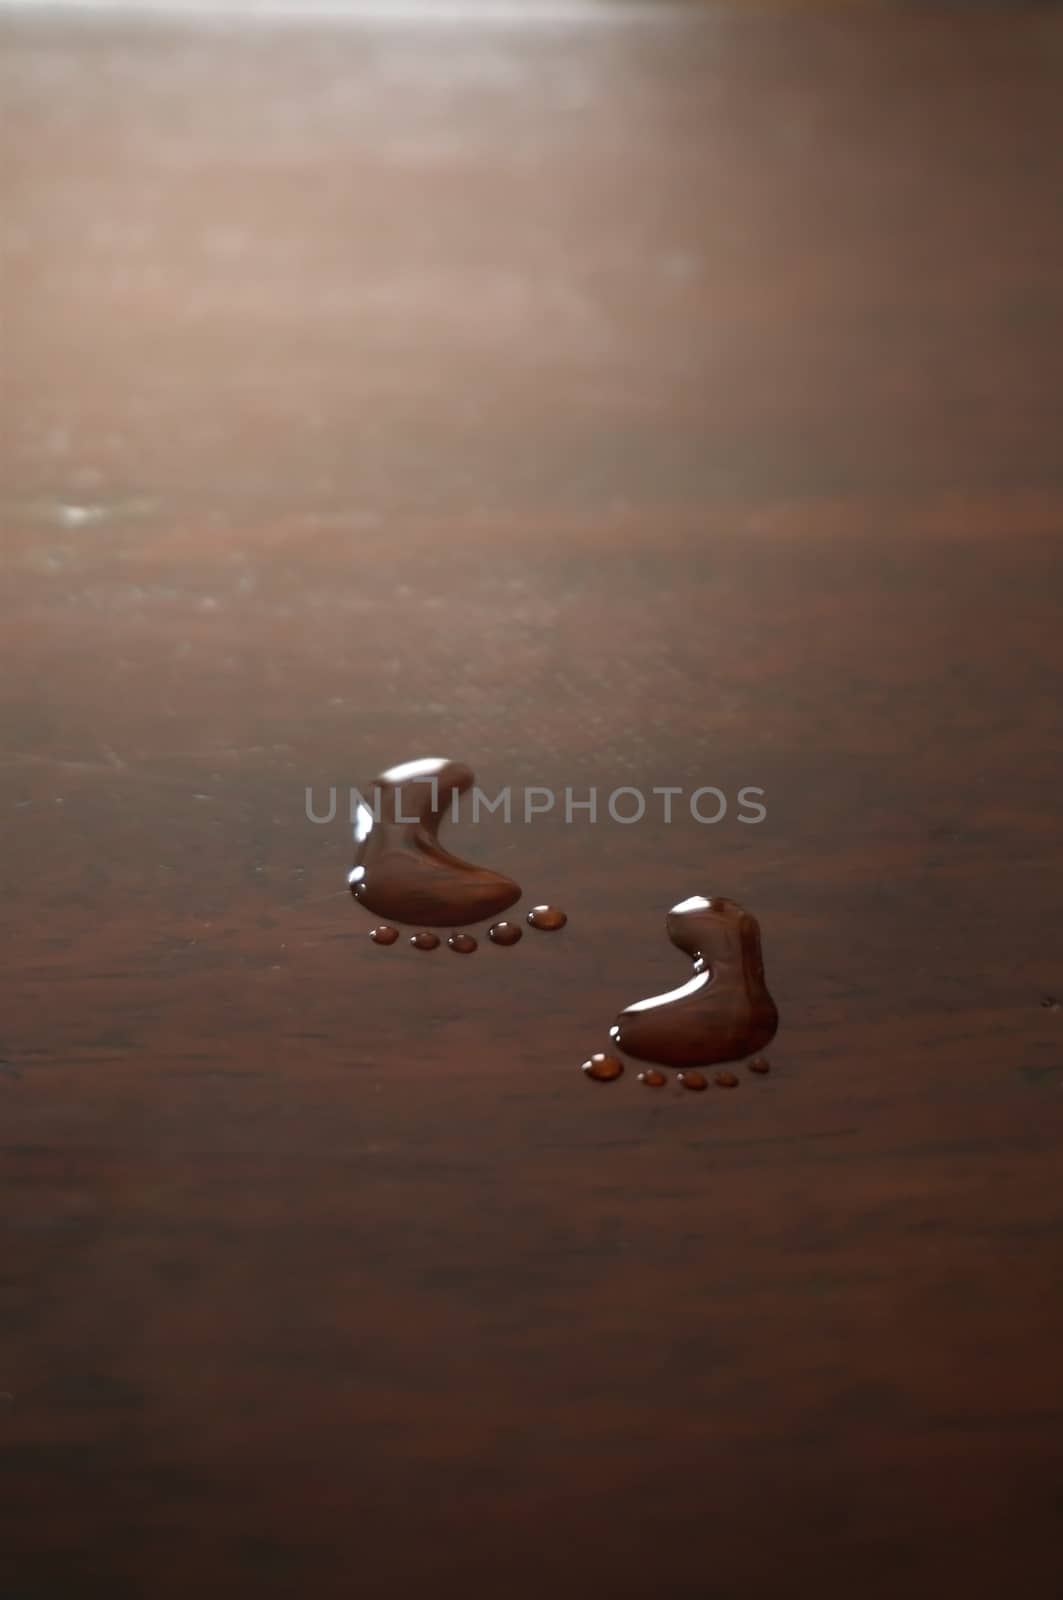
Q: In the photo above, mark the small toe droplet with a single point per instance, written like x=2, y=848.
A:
x=693, y=1080
x=725, y=1080
x=759, y=1064
x=547, y=918
x=653, y=1079
x=463, y=943
x=603, y=1069
x=424, y=941
x=505, y=933
x=384, y=934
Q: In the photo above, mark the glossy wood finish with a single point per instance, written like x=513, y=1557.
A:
x=660, y=400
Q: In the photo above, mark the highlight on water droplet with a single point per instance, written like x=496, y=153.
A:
x=505, y=933
x=603, y=1069
x=463, y=943
x=424, y=940
x=548, y=919
x=725, y=1080
x=385, y=934
x=759, y=1064
x=653, y=1078
x=693, y=1080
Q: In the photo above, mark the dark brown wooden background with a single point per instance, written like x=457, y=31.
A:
x=658, y=397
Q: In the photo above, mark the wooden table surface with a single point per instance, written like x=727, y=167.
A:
x=667, y=396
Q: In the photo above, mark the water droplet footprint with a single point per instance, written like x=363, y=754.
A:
x=401, y=870
x=723, y=1013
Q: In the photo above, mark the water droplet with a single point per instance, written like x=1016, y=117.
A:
x=693, y=1080
x=384, y=934
x=724, y=1011
x=725, y=1080
x=506, y=933
x=401, y=870
x=653, y=1079
x=603, y=1069
x=547, y=918
x=759, y=1064
x=463, y=943
x=424, y=941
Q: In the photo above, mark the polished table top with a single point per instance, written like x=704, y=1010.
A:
x=666, y=397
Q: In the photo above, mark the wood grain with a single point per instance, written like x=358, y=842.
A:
x=669, y=400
